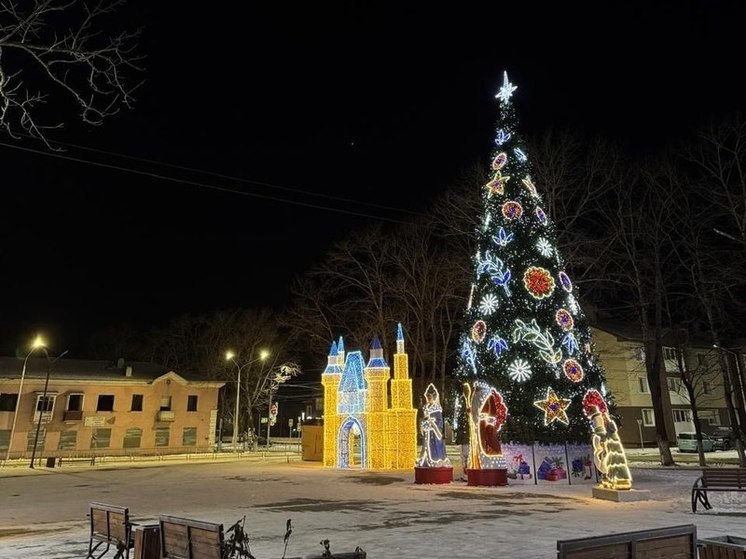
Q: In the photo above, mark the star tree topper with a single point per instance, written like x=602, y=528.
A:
x=554, y=408
x=506, y=91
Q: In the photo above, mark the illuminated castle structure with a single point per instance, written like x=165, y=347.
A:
x=360, y=428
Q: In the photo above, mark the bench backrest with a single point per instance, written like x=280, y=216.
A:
x=109, y=523
x=675, y=542
x=183, y=538
x=724, y=477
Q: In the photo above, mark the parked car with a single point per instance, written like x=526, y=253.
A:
x=687, y=442
x=723, y=438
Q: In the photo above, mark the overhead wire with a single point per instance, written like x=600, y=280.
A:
x=224, y=189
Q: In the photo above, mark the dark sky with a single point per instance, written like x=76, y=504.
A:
x=349, y=100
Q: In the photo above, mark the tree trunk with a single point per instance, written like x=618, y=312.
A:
x=653, y=364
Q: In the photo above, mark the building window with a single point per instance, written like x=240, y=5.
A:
x=648, y=418
x=44, y=403
x=32, y=439
x=105, y=402
x=701, y=359
x=192, y=402
x=706, y=387
x=682, y=416
x=4, y=439
x=75, y=402
x=190, y=437
x=132, y=438
x=674, y=384
x=166, y=403
x=8, y=402
x=714, y=418
x=101, y=438
x=162, y=436
x=669, y=353
x=643, y=385
x=136, y=402
x=68, y=440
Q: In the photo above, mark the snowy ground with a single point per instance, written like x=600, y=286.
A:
x=42, y=512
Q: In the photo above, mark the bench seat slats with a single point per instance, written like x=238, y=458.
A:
x=675, y=542
x=110, y=526
x=183, y=538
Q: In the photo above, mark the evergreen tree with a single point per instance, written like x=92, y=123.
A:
x=524, y=330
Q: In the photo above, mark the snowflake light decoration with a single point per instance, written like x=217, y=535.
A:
x=544, y=247
x=519, y=370
x=488, y=305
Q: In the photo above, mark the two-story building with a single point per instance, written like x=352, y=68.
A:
x=81, y=407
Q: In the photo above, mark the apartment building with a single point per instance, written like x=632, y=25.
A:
x=76, y=407
x=622, y=354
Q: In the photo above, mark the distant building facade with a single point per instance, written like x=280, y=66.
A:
x=92, y=407
x=622, y=355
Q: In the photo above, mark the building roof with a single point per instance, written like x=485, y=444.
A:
x=85, y=369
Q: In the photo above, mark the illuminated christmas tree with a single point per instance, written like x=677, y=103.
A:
x=525, y=333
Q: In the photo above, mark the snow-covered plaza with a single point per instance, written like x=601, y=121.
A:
x=43, y=512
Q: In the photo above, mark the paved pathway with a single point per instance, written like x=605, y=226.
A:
x=42, y=513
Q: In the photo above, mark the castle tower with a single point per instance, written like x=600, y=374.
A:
x=330, y=381
x=402, y=429
x=377, y=373
x=341, y=352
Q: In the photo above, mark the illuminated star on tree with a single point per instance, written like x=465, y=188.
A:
x=506, y=91
x=554, y=408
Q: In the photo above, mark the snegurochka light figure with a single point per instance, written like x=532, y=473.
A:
x=431, y=427
x=608, y=452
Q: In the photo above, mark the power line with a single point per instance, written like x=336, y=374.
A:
x=221, y=188
x=237, y=179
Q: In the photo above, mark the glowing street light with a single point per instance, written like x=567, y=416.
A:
x=230, y=356
x=38, y=343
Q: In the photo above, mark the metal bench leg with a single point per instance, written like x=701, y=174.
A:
x=92, y=549
x=699, y=495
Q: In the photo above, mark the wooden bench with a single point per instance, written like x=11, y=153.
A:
x=717, y=479
x=110, y=525
x=182, y=538
x=675, y=542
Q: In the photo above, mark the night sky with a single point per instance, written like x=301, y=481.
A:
x=346, y=101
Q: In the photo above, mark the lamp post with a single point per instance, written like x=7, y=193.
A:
x=279, y=377
x=230, y=356
x=639, y=428
x=38, y=343
x=44, y=401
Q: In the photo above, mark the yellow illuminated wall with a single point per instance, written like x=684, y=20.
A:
x=374, y=434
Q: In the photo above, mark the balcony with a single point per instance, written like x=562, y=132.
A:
x=73, y=415
x=164, y=415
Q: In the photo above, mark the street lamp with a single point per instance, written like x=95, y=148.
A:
x=38, y=343
x=639, y=428
x=44, y=401
x=230, y=356
x=279, y=377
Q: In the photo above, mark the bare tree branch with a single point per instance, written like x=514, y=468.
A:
x=53, y=52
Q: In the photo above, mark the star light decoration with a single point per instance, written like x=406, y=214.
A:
x=554, y=408
x=507, y=89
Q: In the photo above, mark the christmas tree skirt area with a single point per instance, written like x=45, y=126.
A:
x=423, y=474
x=486, y=477
x=620, y=495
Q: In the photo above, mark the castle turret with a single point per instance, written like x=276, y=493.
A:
x=377, y=373
x=341, y=352
x=330, y=381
